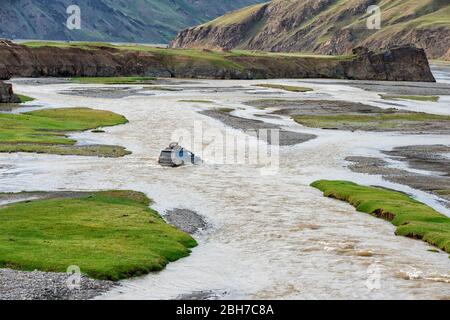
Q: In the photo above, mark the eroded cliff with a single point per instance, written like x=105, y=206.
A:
x=78, y=60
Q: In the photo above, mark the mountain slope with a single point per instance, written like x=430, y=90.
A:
x=155, y=21
x=326, y=27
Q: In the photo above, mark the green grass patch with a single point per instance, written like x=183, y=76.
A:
x=24, y=99
x=64, y=44
x=110, y=235
x=189, y=57
x=237, y=16
x=412, y=218
x=45, y=131
x=305, y=55
x=114, y=80
x=104, y=151
x=284, y=87
x=194, y=53
x=179, y=56
x=377, y=121
x=416, y=98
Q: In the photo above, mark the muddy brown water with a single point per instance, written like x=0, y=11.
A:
x=271, y=236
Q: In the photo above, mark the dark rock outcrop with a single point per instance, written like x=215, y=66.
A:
x=405, y=62
x=397, y=64
x=6, y=94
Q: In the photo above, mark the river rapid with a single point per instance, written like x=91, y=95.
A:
x=270, y=236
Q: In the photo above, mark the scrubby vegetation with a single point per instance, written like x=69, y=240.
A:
x=412, y=218
x=109, y=235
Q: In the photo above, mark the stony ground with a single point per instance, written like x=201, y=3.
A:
x=186, y=220
x=202, y=295
x=317, y=111
x=313, y=107
x=286, y=138
x=428, y=158
x=36, y=285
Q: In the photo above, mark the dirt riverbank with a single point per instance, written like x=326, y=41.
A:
x=94, y=60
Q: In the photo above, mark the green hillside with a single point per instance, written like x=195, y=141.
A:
x=151, y=21
x=327, y=27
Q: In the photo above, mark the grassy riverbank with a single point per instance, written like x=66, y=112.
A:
x=24, y=98
x=415, y=98
x=44, y=131
x=412, y=218
x=110, y=235
x=375, y=122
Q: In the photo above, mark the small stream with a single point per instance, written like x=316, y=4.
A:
x=271, y=236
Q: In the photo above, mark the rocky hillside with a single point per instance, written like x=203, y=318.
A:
x=326, y=27
x=152, y=21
